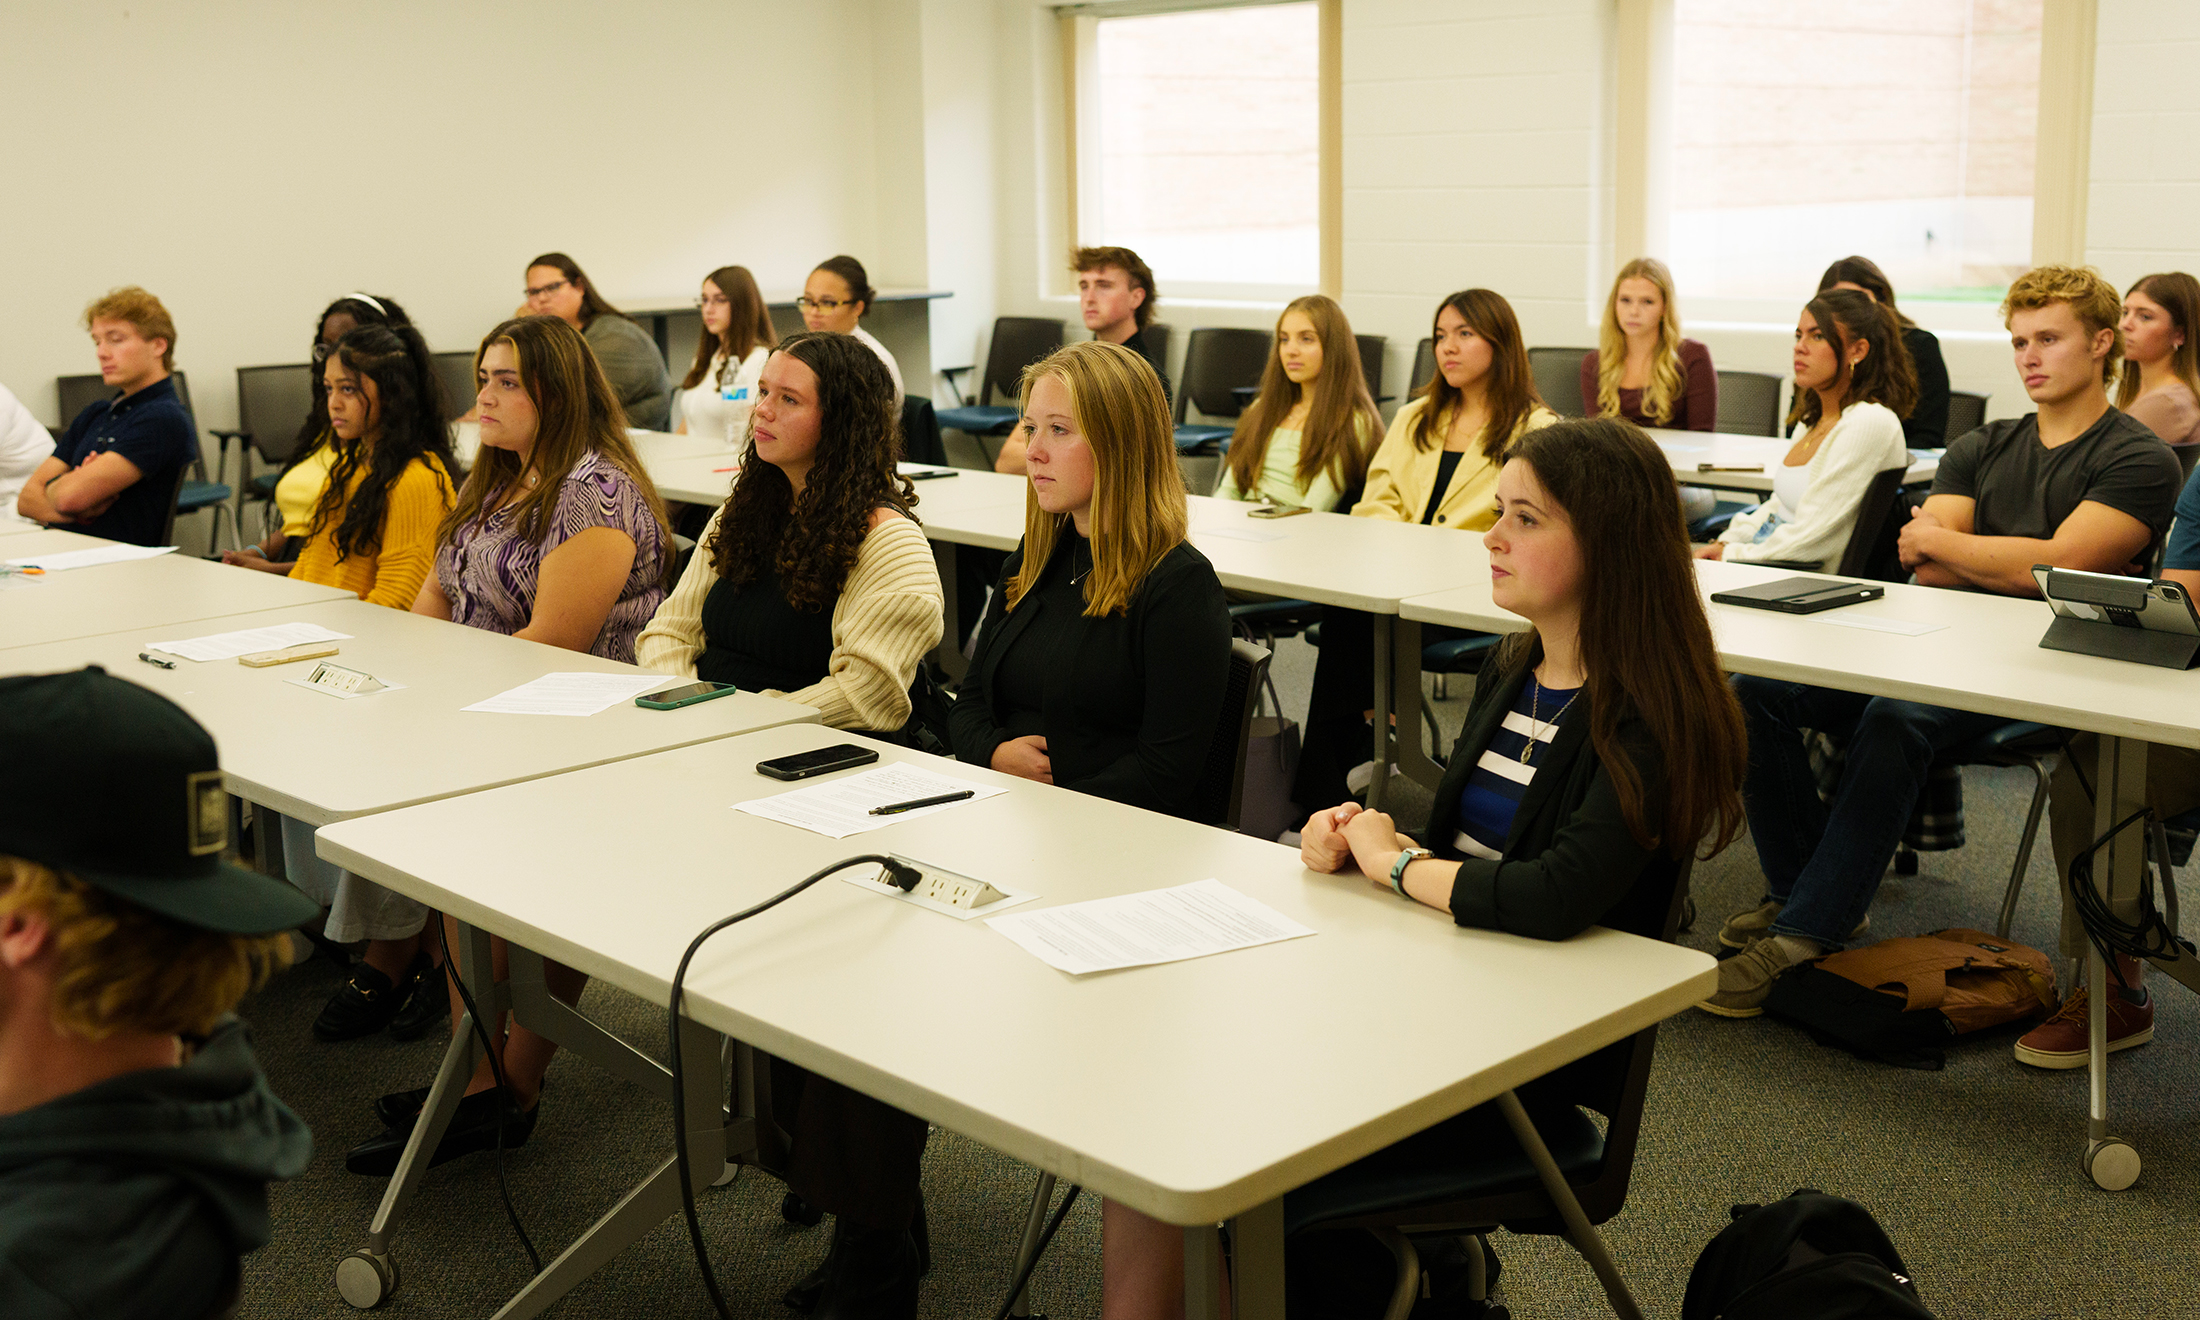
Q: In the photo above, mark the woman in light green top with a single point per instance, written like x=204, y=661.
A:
x=1305, y=440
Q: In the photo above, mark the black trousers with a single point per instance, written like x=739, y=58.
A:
x=851, y=1156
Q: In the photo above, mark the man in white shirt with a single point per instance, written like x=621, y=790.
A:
x=24, y=444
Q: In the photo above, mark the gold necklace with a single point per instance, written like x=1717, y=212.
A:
x=1535, y=707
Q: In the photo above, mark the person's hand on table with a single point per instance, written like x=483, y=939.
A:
x=1715, y=550
x=1321, y=843
x=1375, y=842
x=1025, y=758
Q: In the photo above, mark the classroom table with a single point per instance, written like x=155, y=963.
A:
x=13, y=526
x=1106, y=1081
x=157, y=596
x=319, y=758
x=1759, y=455
x=1983, y=656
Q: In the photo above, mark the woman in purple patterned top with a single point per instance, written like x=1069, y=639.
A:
x=557, y=536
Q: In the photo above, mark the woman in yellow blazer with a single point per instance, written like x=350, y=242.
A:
x=1437, y=465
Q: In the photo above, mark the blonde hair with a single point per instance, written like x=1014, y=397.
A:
x=1139, y=509
x=144, y=313
x=1341, y=420
x=2090, y=297
x=1667, y=381
x=127, y=968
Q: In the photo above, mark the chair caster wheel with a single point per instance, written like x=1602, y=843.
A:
x=795, y=1210
x=2112, y=1163
x=365, y=1280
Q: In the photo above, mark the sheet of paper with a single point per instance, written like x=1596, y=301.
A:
x=98, y=554
x=838, y=808
x=1138, y=930
x=1902, y=626
x=570, y=694
x=1238, y=532
x=245, y=641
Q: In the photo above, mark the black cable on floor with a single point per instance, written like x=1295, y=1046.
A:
x=1023, y=1276
x=903, y=875
x=2151, y=936
x=496, y=1069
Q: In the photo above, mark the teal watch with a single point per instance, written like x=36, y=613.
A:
x=1398, y=868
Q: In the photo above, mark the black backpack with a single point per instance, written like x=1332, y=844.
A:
x=1808, y=1257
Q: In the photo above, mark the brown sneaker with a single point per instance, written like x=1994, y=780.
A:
x=1746, y=928
x=1746, y=978
x=2060, y=1042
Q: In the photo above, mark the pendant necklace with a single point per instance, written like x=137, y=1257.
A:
x=1535, y=707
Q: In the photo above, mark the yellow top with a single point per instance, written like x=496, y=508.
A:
x=390, y=575
x=1400, y=477
x=300, y=489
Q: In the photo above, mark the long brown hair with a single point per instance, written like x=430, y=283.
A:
x=1667, y=380
x=1865, y=274
x=2178, y=294
x=576, y=415
x=1139, y=509
x=812, y=542
x=1509, y=390
x=750, y=324
x=1885, y=375
x=1645, y=643
x=593, y=304
x=1340, y=422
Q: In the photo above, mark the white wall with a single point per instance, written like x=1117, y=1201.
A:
x=2143, y=212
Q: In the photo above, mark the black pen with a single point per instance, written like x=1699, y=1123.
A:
x=156, y=660
x=930, y=473
x=896, y=808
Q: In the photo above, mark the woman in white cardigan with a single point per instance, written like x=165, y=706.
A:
x=1854, y=383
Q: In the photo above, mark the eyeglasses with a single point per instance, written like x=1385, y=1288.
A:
x=809, y=304
x=713, y=300
x=542, y=289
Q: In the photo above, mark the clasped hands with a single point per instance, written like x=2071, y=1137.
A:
x=1351, y=835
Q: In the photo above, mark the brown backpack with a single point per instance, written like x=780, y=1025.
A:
x=1900, y=999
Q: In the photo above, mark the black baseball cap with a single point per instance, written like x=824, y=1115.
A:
x=118, y=786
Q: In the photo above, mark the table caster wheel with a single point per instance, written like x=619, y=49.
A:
x=795, y=1210
x=366, y=1280
x=2112, y=1164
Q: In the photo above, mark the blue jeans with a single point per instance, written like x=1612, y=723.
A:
x=1824, y=861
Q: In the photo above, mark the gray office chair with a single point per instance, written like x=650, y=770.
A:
x=1018, y=341
x=1220, y=795
x=1424, y=367
x=1217, y=361
x=1749, y=403
x=272, y=406
x=456, y=373
x=1372, y=348
x=1558, y=379
x=1966, y=413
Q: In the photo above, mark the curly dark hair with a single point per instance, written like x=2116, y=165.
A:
x=363, y=309
x=407, y=424
x=813, y=542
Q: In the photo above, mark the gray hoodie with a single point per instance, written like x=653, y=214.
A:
x=135, y=1197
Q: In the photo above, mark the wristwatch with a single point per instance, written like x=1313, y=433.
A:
x=1398, y=868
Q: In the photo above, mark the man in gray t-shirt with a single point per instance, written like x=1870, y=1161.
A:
x=2077, y=485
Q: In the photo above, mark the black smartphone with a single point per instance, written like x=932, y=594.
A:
x=674, y=698
x=823, y=761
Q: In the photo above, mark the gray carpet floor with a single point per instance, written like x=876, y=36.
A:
x=1973, y=1170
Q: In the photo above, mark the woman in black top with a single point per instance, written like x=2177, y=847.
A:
x=1105, y=650
x=1926, y=425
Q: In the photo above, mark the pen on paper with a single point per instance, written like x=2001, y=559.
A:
x=896, y=808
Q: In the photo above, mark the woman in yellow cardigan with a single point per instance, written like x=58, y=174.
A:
x=373, y=532
x=1437, y=465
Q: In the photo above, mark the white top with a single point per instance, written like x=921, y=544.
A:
x=24, y=444
x=1866, y=439
x=1789, y=481
x=893, y=368
x=718, y=407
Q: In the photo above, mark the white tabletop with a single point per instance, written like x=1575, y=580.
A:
x=1192, y=1091
x=1688, y=451
x=1986, y=657
x=13, y=526
x=152, y=594
x=321, y=758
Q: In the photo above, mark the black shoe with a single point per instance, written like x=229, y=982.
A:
x=871, y=1275
x=804, y=1294
x=428, y=1006
x=473, y=1128
x=364, y=1005
x=401, y=1109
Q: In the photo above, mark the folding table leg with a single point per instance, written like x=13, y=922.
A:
x=1579, y=1230
x=1042, y=1195
x=1203, y=1273
x=2120, y=788
x=1385, y=706
x=1256, y=1251
x=1405, y=691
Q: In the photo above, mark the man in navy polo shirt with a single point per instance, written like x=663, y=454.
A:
x=113, y=473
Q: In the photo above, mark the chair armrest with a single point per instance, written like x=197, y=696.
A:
x=948, y=374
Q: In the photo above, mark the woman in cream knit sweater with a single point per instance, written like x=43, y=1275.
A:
x=812, y=582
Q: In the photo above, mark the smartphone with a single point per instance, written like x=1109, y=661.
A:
x=931, y=474
x=823, y=761
x=1277, y=511
x=685, y=695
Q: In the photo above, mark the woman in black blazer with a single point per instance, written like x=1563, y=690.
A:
x=1103, y=656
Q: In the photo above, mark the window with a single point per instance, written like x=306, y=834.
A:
x=1898, y=129
x=1206, y=128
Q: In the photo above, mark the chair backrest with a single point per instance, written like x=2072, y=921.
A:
x=272, y=406
x=168, y=527
x=1558, y=379
x=1749, y=403
x=920, y=432
x=1220, y=796
x=456, y=371
x=1966, y=412
x=1217, y=360
x=1371, y=360
x=1156, y=335
x=1871, y=550
x=1424, y=367
x=1018, y=341
x=2187, y=455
